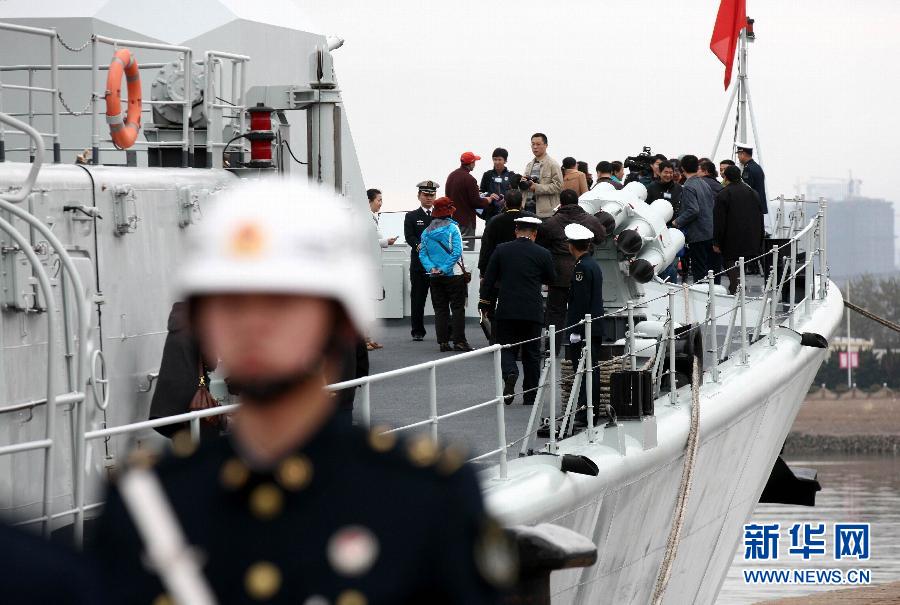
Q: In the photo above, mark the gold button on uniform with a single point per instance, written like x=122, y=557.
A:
x=295, y=473
x=262, y=580
x=183, y=444
x=451, y=460
x=380, y=440
x=266, y=501
x=351, y=597
x=233, y=474
x=423, y=451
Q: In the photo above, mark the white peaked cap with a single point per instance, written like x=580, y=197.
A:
x=282, y=236
x=528, y=220
x=578, y=233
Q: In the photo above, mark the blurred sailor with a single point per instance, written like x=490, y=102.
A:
x=294, y=506
x=517, y=270
x=585, y=296
x=414, y=224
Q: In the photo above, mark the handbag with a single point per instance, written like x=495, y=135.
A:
x=467, y=275
x=203, y=399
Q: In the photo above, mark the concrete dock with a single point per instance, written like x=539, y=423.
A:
x=852, y=422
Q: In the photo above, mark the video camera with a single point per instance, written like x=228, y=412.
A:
x=640, y=165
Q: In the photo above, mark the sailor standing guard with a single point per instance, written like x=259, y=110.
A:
x=294, y=506
x=585, y=296
x=414, y=223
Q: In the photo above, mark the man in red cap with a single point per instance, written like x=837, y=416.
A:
x=462, y=188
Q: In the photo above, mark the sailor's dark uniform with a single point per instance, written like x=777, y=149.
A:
x=351, y=518
x=586, y=296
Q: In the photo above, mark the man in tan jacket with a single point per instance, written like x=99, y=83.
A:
x=546, y=177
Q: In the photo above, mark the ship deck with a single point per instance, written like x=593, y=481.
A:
x=404, y=400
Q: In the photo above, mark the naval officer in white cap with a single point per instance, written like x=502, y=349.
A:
x=518, y=269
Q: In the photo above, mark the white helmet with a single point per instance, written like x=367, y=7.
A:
x=283, y=236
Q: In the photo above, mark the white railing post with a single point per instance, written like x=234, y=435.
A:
x=551, y=349
x=432, y=401
x=365, y=405
x=195, y=431
x=213, y=126
x=672, y=347
x=743, y=302
x=186, y=147
x=792, y=287
x=95, y=101
x=713, y=337
x=773, y=306
x=809, y=278
x=632, y=354
x=589, y=376
x=501, y=411
x=823, y=239
x=54, y=102
x=779, y=227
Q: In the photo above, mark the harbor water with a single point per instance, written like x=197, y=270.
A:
x=855, y=489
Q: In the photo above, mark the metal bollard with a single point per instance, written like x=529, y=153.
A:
x=541, y=550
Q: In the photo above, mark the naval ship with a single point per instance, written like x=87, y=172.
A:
x=699, y=387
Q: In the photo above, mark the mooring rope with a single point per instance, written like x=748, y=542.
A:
x=687, y=477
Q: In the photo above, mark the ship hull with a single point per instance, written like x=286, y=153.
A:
x=627, y=510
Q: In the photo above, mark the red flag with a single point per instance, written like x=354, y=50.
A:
x=732, y=18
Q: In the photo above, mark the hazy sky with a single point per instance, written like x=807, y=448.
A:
x=424, y=81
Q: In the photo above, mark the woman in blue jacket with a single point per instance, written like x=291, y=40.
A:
x=441, y=255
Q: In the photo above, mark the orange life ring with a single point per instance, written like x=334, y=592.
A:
x=124, y=132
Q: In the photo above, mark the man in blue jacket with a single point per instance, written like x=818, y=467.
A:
x=518, y=269
x=696, y=220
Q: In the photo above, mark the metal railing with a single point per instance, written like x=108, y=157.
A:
x=75, y=366
x=215, y=112
x=30, y=88
x=186, y=144
x=772, y=312
x=210, y=66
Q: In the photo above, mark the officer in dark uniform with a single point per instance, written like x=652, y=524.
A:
x=753, y=174
x=296, y=506
x=515, y=273
x=413, y=225
x=585, y=296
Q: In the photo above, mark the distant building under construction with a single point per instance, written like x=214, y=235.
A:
x=860, y=229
